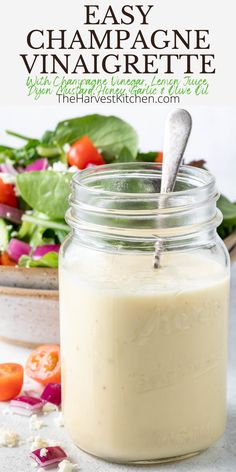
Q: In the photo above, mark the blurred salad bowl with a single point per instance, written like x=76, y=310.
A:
x=35, y=278
x=34, y=189
x=29, y=306
x=29, y=316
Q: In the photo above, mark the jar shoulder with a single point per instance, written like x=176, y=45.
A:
x=133, y=271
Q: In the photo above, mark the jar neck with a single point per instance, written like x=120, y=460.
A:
x=120, y=207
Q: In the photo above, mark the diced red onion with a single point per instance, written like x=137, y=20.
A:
x=17, y=248
x=26, y=405
x=10, y=213
x=39, y=164
x=26, y=401
x=40, y=251
x=55, y=454
x=52, y=393
x=8, y=168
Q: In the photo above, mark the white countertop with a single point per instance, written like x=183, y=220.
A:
x=220, y=457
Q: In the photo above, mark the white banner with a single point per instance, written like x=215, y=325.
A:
x=91, y=52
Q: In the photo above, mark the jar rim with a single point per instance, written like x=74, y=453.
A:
x=111, y=210
x=206, y=181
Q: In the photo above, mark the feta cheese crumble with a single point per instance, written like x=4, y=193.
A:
x=62, y=167
x=38, y=443
x=8, y=438
x=67, y=466
x=43, y=452
x=59, y=167
x=66, y=147
x=35, y=423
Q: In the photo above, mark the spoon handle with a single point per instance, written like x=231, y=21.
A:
x=177, y=131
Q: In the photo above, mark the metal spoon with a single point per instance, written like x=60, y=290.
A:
x=177, y=131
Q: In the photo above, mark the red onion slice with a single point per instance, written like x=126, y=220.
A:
x=26, y=401
x=52, y=394
x=11, y=213
x=26, y=405
x=40, y=251
x=39, y=164
x=17, y=248
x=55, y=454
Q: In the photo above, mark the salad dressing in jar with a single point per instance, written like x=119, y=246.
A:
x=144, y=351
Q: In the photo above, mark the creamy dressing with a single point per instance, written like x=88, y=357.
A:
x=143, y=353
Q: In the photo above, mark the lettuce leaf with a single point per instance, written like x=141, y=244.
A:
x=228, y=210
x=108, y=133
x=46, y=191
x=49, y=260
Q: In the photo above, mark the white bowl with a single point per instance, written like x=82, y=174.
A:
x=29, y=306
x=33, y=277
x=29, y=317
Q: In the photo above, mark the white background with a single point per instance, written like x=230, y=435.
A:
x=213, y=136
x=214, y=117
x=216, y=16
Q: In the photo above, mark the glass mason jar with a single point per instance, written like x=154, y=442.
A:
x=144, y=350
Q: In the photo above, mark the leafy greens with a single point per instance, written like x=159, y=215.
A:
x=46, y=191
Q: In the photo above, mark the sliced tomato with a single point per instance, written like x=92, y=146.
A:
x=5, y=259
x=11, y=381
x=44, y=365
x=7, y=194
x=83, y=152
x=159, y=157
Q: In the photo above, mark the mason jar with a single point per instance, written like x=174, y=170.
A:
x=144, y=349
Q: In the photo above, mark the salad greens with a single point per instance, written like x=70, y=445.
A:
x=49, y=260
x=39, y=173
x=228, y=210
x=108, y=133
x=125, y=155
x=3, y=234
x=146, y=156
x=40, y=190
x=35, y=184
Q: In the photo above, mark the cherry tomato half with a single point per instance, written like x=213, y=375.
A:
x=82, y=153
x=5, y=259
x=11, y=381
x=159, y=157
x=43, y=364
x=7, y=194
